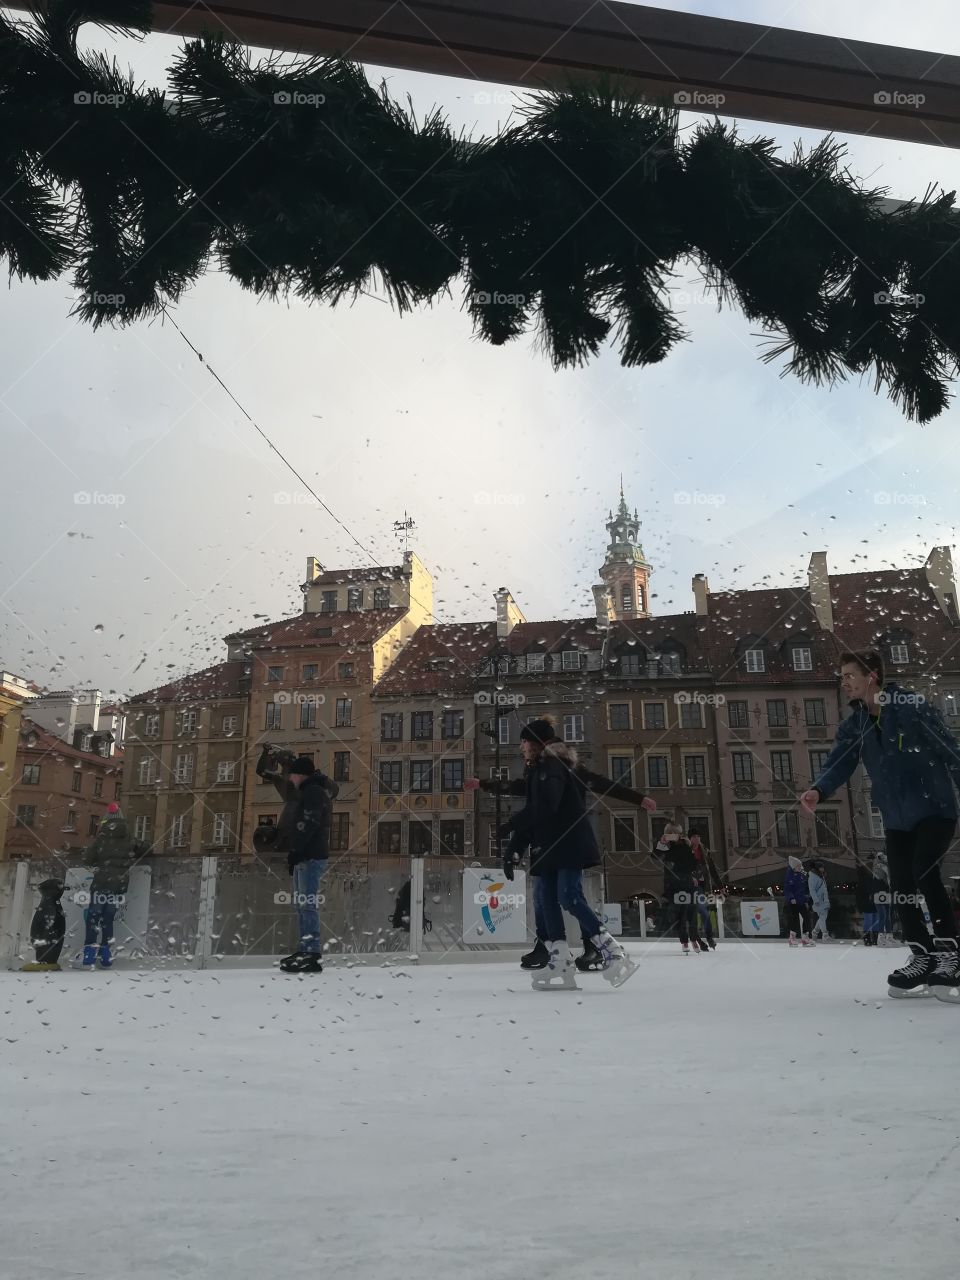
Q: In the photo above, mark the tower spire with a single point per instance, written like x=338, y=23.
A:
x=625, y=568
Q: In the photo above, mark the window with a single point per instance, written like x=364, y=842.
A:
x=802, y=659
x=381, y=597
x=501, y=774
x=86, y=742
x=876, y=823
x=951, y=703
x=658, y=771
x=815, y=711
x=183, y=769
x=654, y=715
x=748, y=827
x=899, y=653
x=221, y=828
x=310, y=670
x=71, y=822
x=76, y=782
x=188, y=723
x=631, y=664
x=25, y=815
x=31, y=775
x=742, y=766
x=308, y=713
x=624, y=832
x=621, y=768
x=421, y=775
x=828, y=828
x=571, y=660
x=691, y=715
x=503, y=730
x=328, y=602
x=788, y=827
x=354, y=599
x=535, y=663
x=147, y=770
x=670, y=663
x=781, y=766
x=97, y=787
x=274, y=716
x=817, y=761
x=421, y=837
x=341, y=766
x=274, y=673
x=180, y=831
x=340, y=833
x=388, y=837
x=92, y=825
x=641, y=606
x=344, y=713
x=695, y=770
x=226, y=770
x=141, y=827
x=451, y=775
x=626, y=596
x=391, y=777
x=573, y=728
x=391, y=726
x=345, y=670
x=451, y=724
x=737, y=714
x=451, y=838
x=151, y=726
x=618, y=715
x=756, y=661
x=229, y=725
x=777, y=713
x=421, y=725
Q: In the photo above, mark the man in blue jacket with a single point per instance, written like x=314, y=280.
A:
x=913, y=761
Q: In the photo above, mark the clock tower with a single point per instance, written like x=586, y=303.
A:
x=625, y=572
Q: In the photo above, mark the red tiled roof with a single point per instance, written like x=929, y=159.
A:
x=773, y=615
x=361, y=627
x=554, y=635
x=49, y=743
x=686, y=629
x=334, y=577
x=463, y=646
x=223, y=680
x=869, y=605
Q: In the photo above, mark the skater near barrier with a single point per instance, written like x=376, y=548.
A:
x=913, y=762
x=706, y=882
x=820, y=899
x=47, y=929
x=310, y=824
x=679, y=887
x=796, y=900
x=112, y=855
x=555, y=825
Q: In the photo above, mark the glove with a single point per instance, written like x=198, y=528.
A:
x=511, y=856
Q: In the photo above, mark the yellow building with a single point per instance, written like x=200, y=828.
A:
x=14, y=692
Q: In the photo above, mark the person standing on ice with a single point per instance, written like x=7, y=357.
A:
x=820, y=897
x=554, y=823
x=913, y=762
x=796, y=896
x=309, y=849
x=112, y=855
x=599, y=788
x=706, y=881
x=680, y=886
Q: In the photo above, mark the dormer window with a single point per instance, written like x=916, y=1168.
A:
x=802, y=658
x=899, y=653
x=571, y=660
x=756, y=661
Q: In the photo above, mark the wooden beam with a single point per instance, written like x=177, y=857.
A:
x=734, y=69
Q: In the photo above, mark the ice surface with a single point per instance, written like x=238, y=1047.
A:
x=752, y=1113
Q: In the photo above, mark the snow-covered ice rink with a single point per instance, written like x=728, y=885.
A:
x=756, y=1112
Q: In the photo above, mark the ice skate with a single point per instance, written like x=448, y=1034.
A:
x=944, y=981
x=105, y=958
x=686, y=948
x=695, y=946
x=912, y=979
x=615, y=964
x=793, y=940
x=293, y=963
x=592, y=958
x=87, y=960
x=560, y=973
x=807, y=942
x=538, y=958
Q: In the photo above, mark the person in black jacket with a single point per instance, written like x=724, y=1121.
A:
x=47, y=928
x=112, y=855
x=555, y=825
x=680, y=886
x=309, y=849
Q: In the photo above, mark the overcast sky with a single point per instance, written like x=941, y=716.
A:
x=385, y=415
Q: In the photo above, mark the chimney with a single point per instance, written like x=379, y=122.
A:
x=508, y=613
x=313, y=568
x=603, y=598
x=818, y=580
x=939, y=571
x=701, y=589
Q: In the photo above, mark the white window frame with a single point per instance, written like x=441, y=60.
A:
x=805, y=660
x=503, y=730
x=620, y=703
x=226, y=770
x=756, y=661
x=500, y=773
x=183, y=767
x=877, y=829
x=686, y=708
x=733, y=768
x=188, y=722
x=695, y=755
x=221, y=828
x=670, y=663
x=536, y=663
x=951, y=702
x=230, y=724
x=147, y=771
x=660, y=755
x=33, y=769
x=628, y=817
x=655, y=728
x=573, y=728
x=180, y=831
x=895, y=649
x=626, y=778
x=141, y=826
x=151, y=725
x=570, y=660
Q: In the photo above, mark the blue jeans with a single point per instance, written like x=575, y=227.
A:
x=307, y=899
x=99, y=922
x=556, y=892
x=704, y=913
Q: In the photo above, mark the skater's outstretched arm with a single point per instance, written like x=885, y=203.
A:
x=840, y=763
x=937, y=735
x=512, y=787
x=601, y=785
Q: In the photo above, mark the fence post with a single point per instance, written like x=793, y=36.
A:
x=721, y=931
x=416, y=905
x=643, y=919
x=205, y=920
x=16, y=910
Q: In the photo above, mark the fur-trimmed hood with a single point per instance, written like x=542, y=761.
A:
x=563, y=752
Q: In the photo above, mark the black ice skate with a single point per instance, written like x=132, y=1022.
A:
x=913, y=977
x=945, y=978
x=538, y=958
x=592, y=958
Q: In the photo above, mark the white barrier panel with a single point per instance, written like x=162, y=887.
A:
x=759, y=919
x=494, y=908
x=129, y=924
x=611, y=917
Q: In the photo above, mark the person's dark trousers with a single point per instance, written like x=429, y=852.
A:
x=683, y=922
x=794, y=918
x=99, y=921
x=703, y=911
x=49, y=953
x=559, y=891
x=914, y=858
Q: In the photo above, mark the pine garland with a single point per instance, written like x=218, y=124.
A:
x=299, y=177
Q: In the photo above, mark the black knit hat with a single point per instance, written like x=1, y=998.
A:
x=302, y=764
x=540, y=731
